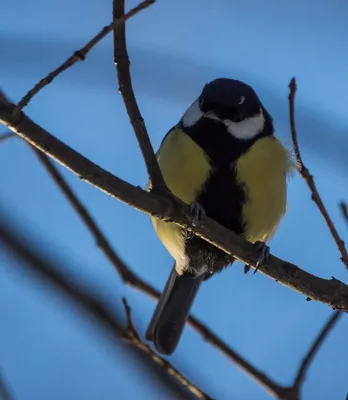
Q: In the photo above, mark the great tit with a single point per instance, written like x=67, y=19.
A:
x=222, y=157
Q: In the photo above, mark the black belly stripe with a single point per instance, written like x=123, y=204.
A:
x=222, y=200
x=222, y=197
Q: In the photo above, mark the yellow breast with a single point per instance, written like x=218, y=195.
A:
x=185, y=169
x=263, y=171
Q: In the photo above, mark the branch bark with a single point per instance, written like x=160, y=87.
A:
x=122, y=63
x=329, y=291
x=134, y=281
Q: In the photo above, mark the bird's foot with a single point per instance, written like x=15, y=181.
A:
x=263, y=252
x=198, y=213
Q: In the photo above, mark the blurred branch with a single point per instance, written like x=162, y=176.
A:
x=5, y=393
x=7, y=135
x=80, y=55
x=133, y=280
x=300, y=377
x=133, y=337
x=329, y=291
x=122, y=63
x=304, y=172
x=49, y=271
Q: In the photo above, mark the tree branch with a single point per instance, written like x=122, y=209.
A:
x=331, y=292
x=304, y=172
x=122, y=63
x=133, y=337
x=49, y=271
x=131, y=279
x=300, y=377
x=80, y=55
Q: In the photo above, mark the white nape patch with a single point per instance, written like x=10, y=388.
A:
x=192, y=115
x=246, y=129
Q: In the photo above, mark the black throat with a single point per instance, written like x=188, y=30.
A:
x=220, y=146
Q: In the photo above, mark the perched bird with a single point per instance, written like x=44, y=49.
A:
x=223, y=159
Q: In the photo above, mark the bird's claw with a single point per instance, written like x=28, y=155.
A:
x=263, y=252
x=198, y=213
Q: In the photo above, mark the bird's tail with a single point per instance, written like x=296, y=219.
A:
x=172, y=310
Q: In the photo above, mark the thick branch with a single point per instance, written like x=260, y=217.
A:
x=301, y=374
x=122, y=63
x=331, y=292
x=92, y=307
x=309, y=178
x=80, y=55
x=133, y=280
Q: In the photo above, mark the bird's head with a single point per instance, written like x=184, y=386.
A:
x=235, y=105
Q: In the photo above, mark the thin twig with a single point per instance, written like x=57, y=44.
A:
x=300, y=377
x=134, y=281
x=329, y=291
x=49, y=270
x=309, y=178
x=80, y=55
x=6, y=136
x=133, y=337
x=121, y=60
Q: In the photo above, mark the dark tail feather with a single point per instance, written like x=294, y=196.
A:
x=172, y=310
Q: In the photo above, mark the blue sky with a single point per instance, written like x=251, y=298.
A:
x=47, y=351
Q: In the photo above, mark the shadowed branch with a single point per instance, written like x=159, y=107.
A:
x=122, y=63
x=329, y=291
x=133, y=280
x=48, y=270
x=133, y=337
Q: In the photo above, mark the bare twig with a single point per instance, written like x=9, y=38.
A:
x=300, y=377
x=331, y=292
x=133, y=280
x=133, y=337
x=309, y=178
x=80, y=55
x=121, y=60
x=5, y=393
x=49, y=271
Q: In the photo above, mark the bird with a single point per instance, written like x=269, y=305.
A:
x=224, y=161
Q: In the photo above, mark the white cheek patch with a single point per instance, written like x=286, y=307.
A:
x=246, y=129
x=192, y=115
